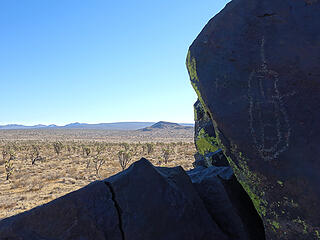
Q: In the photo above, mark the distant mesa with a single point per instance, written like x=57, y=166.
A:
x=167, y=126
x=163, y=124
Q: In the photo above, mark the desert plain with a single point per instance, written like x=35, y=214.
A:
x=39, y=165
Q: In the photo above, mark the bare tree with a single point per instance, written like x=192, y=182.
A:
x=9, y=165
x=57, y=147
x=5, y=152
x=150, y=148
x=126, y=146
x=100, y=148
x=35, y=154
x=87, y=151
x=74, y=149
x=124, y=158
x=135, y=149
x=166, y=155
x=144, y=148
x=98, y=162
x=69, y=149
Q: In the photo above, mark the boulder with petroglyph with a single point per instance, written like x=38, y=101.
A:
x=255, y=68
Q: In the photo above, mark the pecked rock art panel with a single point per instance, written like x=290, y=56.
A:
x=268, y=120
x=257, y=75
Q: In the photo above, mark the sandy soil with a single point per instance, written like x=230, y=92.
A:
x=57, y=174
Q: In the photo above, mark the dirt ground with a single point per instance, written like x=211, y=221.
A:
x=66, y=160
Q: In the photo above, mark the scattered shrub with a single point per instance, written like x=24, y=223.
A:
x=124, y=159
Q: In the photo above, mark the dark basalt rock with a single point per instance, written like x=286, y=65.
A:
x=217, y=158
x=199, y=160
x=227, y=202
x=244, y=207
x=204, y=134
x=161, y=203
x=140, y=203
x=202, y=121
x=255, y=68
x=88, y=213
x=209, y=159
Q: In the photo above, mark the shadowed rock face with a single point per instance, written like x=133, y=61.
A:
x=227, y=202
x=255, y=68
x=208, y=151
x=161, y=203
x=88, y=213
x=204, y=134
x=140, y=203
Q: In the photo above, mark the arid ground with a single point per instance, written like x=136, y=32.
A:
x=42, y=165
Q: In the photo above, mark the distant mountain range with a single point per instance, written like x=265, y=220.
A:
x=102, y=126
x=167, y=126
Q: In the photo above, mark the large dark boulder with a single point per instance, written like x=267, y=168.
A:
x=161, y=204
x=227, y=202
x=140, y=203
x=255, y=68
x=88, y=213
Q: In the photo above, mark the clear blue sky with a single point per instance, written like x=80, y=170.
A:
x=97, y=61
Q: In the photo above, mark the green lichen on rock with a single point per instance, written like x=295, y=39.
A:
x=249, y=180
x=192, y=67
x=192, y=70
x=205, y=144
x=204, y=135
x=275, y=224
x=195, y=114
x=302, y=223
x=280, y=183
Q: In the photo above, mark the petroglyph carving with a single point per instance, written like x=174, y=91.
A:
x=268, y=119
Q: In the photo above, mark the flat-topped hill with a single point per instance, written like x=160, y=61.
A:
x=162, y=125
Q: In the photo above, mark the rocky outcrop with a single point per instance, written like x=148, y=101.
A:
x=161, y=203
x=208, y=151
x=227, y=202
x=204, y=134
x=142, y=203
x=146, y=202
x=255, y=68
x=88, y=213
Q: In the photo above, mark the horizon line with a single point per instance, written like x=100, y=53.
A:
x=59, y=125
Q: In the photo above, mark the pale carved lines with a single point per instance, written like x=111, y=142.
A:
x=268, y=119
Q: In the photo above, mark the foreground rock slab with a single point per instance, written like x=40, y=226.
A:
x=255, y=68
x=140, y=203
x=88, y=213
x=227, y=203
x=161, y=203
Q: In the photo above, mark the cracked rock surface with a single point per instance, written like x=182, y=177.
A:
x=161, y=203
x=142, y=202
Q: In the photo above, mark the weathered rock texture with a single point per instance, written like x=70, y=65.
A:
x=255, y=68
x=88, y=213
x=204, y=134
x=140, y=203
x=161, y=203
x=208, y=151
x=227, y=202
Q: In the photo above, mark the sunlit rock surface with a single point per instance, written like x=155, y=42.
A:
x=255, y=68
